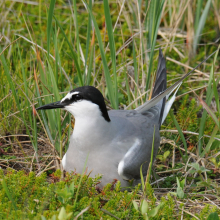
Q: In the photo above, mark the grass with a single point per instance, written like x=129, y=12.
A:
x=48, y=48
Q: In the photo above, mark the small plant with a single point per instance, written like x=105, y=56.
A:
x=66, y=193
x=145, y=210
x=163, y=158
x=213, y=216
x=216, y=164
x=198, y=169
x=179, y=191
x=63, y=215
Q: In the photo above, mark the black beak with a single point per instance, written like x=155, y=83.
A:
x=51, y=106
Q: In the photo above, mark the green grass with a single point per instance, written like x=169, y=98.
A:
x=48, y=48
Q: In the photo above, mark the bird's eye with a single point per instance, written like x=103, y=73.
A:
x=77, y=97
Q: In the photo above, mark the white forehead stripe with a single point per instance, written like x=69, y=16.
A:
x=69, y=96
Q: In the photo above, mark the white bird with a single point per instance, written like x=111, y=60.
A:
x=117, y=142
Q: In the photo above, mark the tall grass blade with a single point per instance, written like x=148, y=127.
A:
x=47, y=100
x=25, y=87
x=212, y=138
x=185, y=157
x=80, y=181
x=208, y=109
x=89, y=28
x=4, y=185
x=108, y=21
x=44, y=117
x=57, y=57
x=151, y=160
x=12, y=87
x=215, y=90
x=200, y=26
x=47, y=92
x=111, y=93
x=57, y=118
x=127, y=86
x=135, y=66
x=88, y=78
x=142, y=178
x=76, y=30
x=208, y=101
x=74, y=56
x=152, y=26
x=49, y=24
x=198, y=13
x=35, y=129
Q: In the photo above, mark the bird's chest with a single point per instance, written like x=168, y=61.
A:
x=88, y=145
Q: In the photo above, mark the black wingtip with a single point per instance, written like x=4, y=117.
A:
x=160, y=52
x=161, y=81
x=161, y=76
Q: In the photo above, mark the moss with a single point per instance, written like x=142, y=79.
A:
x=35, y=196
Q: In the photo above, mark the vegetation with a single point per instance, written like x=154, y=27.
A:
x=48, y=48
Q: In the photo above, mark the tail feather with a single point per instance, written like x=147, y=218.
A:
x=161, y=83
x=161, y=76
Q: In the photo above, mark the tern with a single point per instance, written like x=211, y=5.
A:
x=117, y=142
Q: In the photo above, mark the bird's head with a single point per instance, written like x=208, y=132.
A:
x=82, y=102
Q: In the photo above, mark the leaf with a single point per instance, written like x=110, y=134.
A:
x=160, y=157
x=203, y=169
x=213, y=216
x=62, y=215
x=142, y=178
x=193, y=171
x=178, y=182
x=144, y=207
x=4, y=185
x=54, y=217
x=69, y=215
x=213, y=160
x=146, y=217
x=71, y=187
x=154, y=211
x=173, y=193
x=135, y=205
x=182, y=183
x=195, y=166
x=203, y=184
x=166, y=154
x=180, y=192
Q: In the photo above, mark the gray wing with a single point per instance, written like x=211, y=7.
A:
x=137, y=138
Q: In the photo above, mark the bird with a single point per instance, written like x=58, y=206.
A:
x=118, y=143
